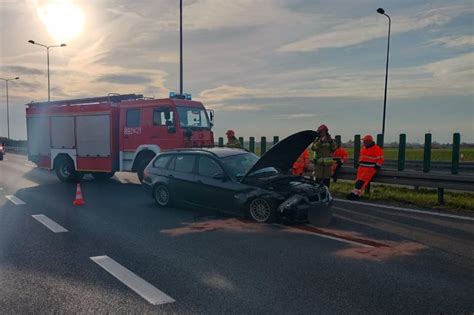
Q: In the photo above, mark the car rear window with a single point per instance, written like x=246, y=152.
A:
x=162, y=161
x=184, y=163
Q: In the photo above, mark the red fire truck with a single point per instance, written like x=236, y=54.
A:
x=103, y=135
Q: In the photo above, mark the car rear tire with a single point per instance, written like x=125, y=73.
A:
x=103, y=176
x=1, y=157
x=162, y=196
x=261, y=210
x=66, y=171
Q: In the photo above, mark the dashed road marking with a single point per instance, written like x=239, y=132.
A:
x=407, y=210
x=50, y=224
x=15, y=200
x=131, y=280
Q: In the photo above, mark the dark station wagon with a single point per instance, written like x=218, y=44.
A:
x=238, y=182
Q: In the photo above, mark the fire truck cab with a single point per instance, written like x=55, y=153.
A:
x=103, y=135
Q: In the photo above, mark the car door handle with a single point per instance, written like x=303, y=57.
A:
x=170, y=175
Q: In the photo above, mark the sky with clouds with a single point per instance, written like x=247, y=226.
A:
x=267, y=67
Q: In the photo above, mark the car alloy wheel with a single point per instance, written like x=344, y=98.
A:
x=260, y=210
x=162, y=196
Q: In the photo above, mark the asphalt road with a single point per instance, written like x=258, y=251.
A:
x=369, y=260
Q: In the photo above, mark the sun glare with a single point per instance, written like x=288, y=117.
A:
x=63, y=19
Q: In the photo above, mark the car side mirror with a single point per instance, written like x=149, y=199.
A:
x=171, y=129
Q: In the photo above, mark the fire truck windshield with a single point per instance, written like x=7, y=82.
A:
x=192, y=117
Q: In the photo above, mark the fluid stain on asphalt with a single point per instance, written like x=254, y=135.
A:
x=394, y=249
x=234, y=225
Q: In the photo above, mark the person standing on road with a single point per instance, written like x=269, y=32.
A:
x=370, y=160
x=301, y=164
x=340, y=157
x=323, y=147
x=232, y=141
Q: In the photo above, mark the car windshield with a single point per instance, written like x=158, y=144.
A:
x=238, y=165
x=192, y=117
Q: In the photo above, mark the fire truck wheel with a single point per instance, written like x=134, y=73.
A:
x=142, y=164
x=162, y=195
x=65, y=170
x=103, y=176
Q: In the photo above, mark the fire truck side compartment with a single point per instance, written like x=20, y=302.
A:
x=38, y=136
x=93, y=135
x=62, y=132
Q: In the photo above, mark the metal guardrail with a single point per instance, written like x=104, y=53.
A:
x=412, y=178
x=436, y=166
x=17, y=150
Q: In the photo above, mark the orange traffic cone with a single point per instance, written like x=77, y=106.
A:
x=79, y=201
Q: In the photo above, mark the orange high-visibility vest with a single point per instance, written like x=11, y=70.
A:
x=369, y=157
x=341, y=154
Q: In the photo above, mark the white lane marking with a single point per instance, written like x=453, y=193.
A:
x=328, y=236
x=30, y=165
x=50, y=224
x=131, y=280
x=408, y=210
x=15, y=200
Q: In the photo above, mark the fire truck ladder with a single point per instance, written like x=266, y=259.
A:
x=111, y=98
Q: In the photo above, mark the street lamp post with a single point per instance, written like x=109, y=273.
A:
x=8, y=108
x=181, y=47
x=47, y=56
x=382, y=11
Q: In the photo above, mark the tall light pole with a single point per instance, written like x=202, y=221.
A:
x=47, y=56
x=181, y=47
x=382, y=11
x=8, y=109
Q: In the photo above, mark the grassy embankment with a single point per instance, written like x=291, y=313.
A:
x=424, y=198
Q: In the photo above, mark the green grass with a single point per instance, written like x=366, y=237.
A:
x=417, y=154
x=414, y=154
x=424, y=198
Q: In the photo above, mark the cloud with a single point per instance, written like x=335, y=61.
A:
x=21, y=70
x=236, y=107
x=124, y=79
x=453, y=41
x=352, y=32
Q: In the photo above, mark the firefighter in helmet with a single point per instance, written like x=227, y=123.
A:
x=323, y=147
x=370, y=160
x=232, y=141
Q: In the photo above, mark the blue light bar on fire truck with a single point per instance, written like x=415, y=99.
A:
x=185, y=96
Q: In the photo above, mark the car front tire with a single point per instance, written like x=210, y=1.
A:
x=162, y=196
x=261, y=210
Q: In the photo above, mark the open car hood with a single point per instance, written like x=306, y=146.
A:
x=282, y=155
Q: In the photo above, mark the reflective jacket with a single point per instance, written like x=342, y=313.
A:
x=341, y=155
x=301, y=163
x=323, y=150
x=371, y=156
